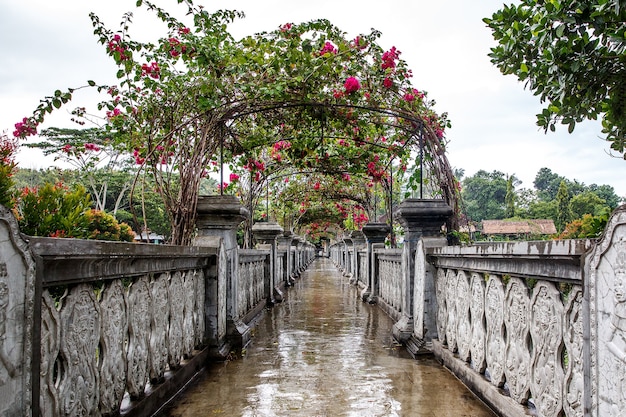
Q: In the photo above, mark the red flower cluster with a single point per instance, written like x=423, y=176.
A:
x=359, y=43
x=286, y=27
x=233, y=177
x=176, y=48
x=412, y=94
x=389, y=58
x=139, y=160
x=25, y=128
x=91, y=147
x=183, y=30
x=374, y=170
x=115, y=45
x=352, y=85
x=151, y=70
x=328, y=48
x=113, y=113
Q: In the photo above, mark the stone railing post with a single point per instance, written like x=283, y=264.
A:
x=375, y=234
x=284, y=242
x=358, y=240
x=218, y=218
x=347, y=255
x=420, y=219
x=267, y=233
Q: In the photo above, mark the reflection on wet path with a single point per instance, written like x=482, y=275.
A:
x=322, y=352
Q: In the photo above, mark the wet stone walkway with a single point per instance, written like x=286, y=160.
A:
x=322, y=352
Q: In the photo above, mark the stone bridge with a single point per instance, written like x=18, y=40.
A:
x=101, y=328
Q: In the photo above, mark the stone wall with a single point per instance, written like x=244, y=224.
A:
x=533, y=328
x=102, y=328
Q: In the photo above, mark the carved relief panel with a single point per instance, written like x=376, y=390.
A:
x=573, y=388
x=546, y=330
x=516, y=319
x=159, y=320
x=463, y=332
x=442, y=311
x=451, y=281
x=189, y=328
x=175, y=335
x=222, y=285
x=50, y=347
x=477, y=310
x=494, y=308
x=199, y=307
x=80, y=335
x=139, y=309
x=418, y=290
x=17, y=278
x=607, y=311
x=113, y=350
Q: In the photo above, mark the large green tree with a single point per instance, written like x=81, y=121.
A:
x=484, y=195
x=572, y=54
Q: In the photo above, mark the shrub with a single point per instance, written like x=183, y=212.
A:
x=54, y=210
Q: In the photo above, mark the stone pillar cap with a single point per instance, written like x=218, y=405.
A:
x=266, y=230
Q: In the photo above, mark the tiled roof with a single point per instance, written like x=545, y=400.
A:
x=509, y=227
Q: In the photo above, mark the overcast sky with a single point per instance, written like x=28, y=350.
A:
x=48, y=44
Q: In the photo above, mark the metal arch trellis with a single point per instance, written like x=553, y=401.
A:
x=442, y=168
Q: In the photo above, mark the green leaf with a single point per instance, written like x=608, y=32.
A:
x=91, y=83
x=56, y=103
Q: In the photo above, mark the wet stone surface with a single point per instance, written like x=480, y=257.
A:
x=322, y=352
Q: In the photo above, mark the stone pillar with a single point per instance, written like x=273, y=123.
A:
x=267, y=233
x=358, y=240
x=285, y=242
x=347, y=254
x=218, y=218
x=420, y=219
x=20, y=338
x=295, y=271
x=375, y=233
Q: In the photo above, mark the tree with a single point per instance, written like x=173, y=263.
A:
x=563, y=214
x=484, y=195
x=586, y=203
x=570, y=54
x=547, y=184
x=344, y=105
x=510, y=197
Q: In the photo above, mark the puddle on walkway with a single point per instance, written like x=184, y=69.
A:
x=322, y=352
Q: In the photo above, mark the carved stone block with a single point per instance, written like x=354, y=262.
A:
x=477, y=310
x=516, y=319
x=546, y=330
x=17, y=284
x=494, y=312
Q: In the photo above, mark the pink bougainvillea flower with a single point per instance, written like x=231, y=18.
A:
x=233, y=177
x=184, y=30
x=328, y=48
x=387, y=83
x=91, y=147
x=337, y=93
x=286, y=27
x=25, y=128
x=151, y=70
x=352, y=85
x=389, y=58
x=316, y=186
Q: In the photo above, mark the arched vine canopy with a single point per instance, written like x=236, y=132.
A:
x=301, y=115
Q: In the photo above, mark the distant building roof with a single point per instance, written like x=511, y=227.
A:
x=517, y=227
